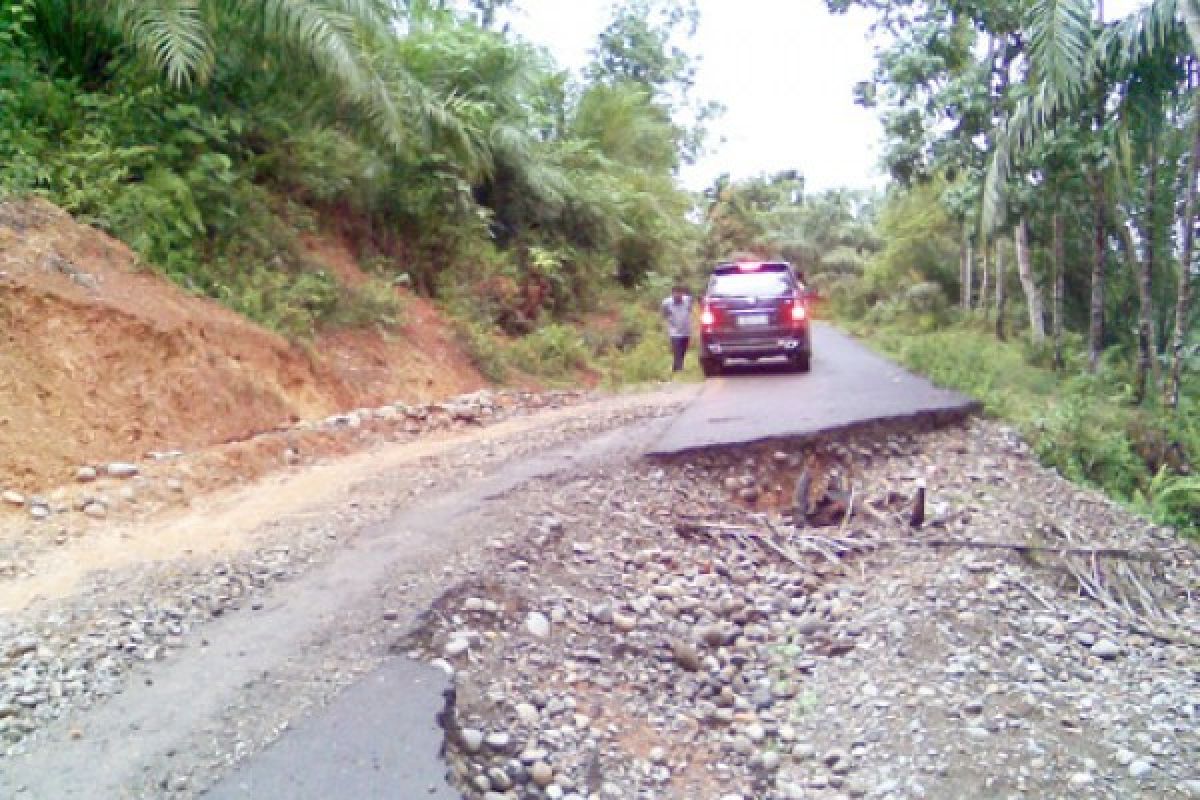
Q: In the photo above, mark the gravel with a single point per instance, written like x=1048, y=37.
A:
x=689, y=659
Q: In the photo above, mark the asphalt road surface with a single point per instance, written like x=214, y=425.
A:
x=848, y=386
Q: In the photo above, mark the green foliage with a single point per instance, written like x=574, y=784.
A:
x=1172, y=500
x=555, y=351
x=483, y=348
x=1081, y=426
x=375, y=302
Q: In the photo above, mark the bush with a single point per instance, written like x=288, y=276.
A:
x=554, y=351
x=483, y=349
x=373, y=303
x=1082, y=426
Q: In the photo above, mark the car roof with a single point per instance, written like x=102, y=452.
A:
x=736, y=267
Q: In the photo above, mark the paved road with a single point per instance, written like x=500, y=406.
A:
x=377, y=740
x=848, y=385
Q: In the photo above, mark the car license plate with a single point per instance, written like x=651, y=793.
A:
x=751, y=320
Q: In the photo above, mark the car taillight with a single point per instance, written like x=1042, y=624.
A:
x=799, y=313
x=708, y=318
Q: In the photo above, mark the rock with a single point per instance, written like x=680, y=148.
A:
x=498, y=740
x=1125, y=757
x=748, y=494
x=457, y=646
x=86, y=474
x=1080, y=780
x=528, y=714
x=121, y=469
x=499, y=779
x=174, y=485
x=472, y=739
x=95, y=510
x=771, y=761
x=717, y=634
x=13, y=498
x=39, y=511
x=537, y=624
x=624, y=622
x=1106, y=649
x=601, y=613
x=686, y=655
x=658, y=755
x=1190, y=788
x=541, y=774
x=1140, y=768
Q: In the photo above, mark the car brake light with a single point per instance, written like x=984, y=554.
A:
x=707, y=318
x=799, y=313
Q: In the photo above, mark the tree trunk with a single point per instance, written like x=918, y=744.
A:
x=1000, y=293
x=1033, y=294
x=1141, y=268
x=964, y=269
x=1099, y=274
x=1183, y=298
x=970, y=273
x=1147, y=349
x=1060, y=285
x=985, y=249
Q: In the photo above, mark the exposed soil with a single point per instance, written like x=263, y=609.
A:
x=101, y=359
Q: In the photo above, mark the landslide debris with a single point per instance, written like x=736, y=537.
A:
x=657, y=631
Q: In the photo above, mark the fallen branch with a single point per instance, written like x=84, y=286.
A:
x=1022, y=547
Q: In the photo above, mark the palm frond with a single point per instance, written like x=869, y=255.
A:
x=172, y=34
x=1060, y=43
x=1143, y=34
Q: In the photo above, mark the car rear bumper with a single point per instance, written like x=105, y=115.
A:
x=760, y=344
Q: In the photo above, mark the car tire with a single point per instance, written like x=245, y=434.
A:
x=711, y=367
x=801, y=362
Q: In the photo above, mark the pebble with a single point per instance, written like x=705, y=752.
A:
x=86, y=474
x=472, y=739
x=528, y=714
x=686, y=655
x=1106, y=649
x=1140, y=768
x=542, y=774
x=537, y=624
x=13, y=497
x=121, y=469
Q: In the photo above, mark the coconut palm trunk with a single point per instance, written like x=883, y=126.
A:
x=1060, y=285
x=983, y=279
x=1099, y=274
x=964, y=269
x=1183, y=298
x=1033, y=293
x=1001, y=296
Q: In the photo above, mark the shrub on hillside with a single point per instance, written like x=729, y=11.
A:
x=554, y=351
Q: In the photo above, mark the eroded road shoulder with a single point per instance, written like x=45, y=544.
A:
x=155, y=678
x=665, y=630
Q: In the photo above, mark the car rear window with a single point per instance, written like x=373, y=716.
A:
x=749, y=284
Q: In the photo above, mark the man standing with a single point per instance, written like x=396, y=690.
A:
x=677, y=311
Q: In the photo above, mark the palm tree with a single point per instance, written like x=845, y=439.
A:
x=1071, y=67
x=179, y=40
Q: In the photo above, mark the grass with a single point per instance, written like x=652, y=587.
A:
x=627, y=346
x=1081, y=424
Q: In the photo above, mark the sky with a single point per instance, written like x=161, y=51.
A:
x=785, y=71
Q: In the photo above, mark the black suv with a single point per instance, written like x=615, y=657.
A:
x=753, y=310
